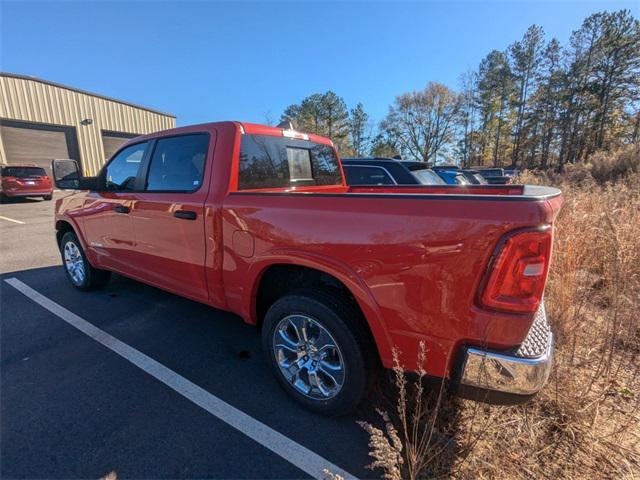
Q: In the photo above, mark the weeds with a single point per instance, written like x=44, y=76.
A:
x=404, y=452
x=421, y=437
x=586, y=422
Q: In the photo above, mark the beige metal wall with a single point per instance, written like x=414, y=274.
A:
x=32, y=100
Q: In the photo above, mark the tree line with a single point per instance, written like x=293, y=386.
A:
x=536, y=104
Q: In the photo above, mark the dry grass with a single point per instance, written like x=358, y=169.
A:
x=586, y=422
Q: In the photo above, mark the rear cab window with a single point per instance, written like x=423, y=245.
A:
x=280, y=162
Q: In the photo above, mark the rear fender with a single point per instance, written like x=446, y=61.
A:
x=340, y=271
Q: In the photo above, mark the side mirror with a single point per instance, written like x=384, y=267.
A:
x=66, y=174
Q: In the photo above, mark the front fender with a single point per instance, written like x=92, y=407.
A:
x=69, y=210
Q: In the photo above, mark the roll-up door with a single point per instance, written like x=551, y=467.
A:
x=112, y=141
x=38, y=146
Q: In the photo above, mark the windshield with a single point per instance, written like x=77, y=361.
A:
x=23, y=172
x=428, y=177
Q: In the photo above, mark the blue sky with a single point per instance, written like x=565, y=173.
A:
x=206, y=61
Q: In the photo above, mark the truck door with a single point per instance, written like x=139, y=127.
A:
x=169, y=215
x=106, y=219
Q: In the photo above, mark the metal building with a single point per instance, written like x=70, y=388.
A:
x=42, y=120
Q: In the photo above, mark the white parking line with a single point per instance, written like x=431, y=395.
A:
x=11, y=220
x=303, y=458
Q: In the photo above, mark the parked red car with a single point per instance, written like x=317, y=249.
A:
x=25, y=181
x=258, y=220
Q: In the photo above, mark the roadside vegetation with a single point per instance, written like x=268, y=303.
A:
x=586, y=422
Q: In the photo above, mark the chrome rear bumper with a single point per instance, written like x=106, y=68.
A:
x=512, y=376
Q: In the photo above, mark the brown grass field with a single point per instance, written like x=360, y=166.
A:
x=586, y=422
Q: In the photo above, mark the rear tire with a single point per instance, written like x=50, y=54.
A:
x=331, y=380
x=78, y=269
x=47, y=197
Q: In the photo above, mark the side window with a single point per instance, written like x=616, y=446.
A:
x=122, y=171
x=177, y=163
x=361, y=175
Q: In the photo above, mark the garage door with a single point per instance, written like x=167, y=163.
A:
x=36, y=146
x=111, y=142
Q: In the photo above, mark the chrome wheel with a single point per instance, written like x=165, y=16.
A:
x=74, y=263
x=308, y=357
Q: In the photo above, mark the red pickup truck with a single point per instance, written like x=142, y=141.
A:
x=258, y=221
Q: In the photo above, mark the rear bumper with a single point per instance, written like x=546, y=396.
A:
x=26, y=193
x=513, y=376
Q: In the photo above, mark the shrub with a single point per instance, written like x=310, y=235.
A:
x=610, y=167
x=586, y=422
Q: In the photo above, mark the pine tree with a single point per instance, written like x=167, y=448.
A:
x=359, y=130
x=322, y=114
x=525, y=58
x=495, y=96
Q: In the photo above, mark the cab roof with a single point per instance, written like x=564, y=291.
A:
x=245, y=128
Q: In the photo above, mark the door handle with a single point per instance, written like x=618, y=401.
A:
x=185, y=214
x=121, y=209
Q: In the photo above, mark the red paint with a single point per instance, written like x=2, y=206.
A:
x=414, y=258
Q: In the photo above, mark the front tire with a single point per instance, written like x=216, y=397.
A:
x=316, y=351
x=47, y=197
x=78, y=269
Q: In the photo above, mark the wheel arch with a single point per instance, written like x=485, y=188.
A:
x=273, y=278
x=64, y=225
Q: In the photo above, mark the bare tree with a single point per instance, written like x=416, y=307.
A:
x=423, y=121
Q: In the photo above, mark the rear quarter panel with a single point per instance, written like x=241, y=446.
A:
x=413, y=264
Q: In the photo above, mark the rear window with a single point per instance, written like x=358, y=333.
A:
x=428, y=177
x=276, y=162
x=366, y=175
x=492, y=172
x=23, y=172
x=462, y=180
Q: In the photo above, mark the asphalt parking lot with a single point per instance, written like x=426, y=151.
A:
x=151, y=385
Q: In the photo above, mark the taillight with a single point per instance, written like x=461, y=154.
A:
x=518, y=275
